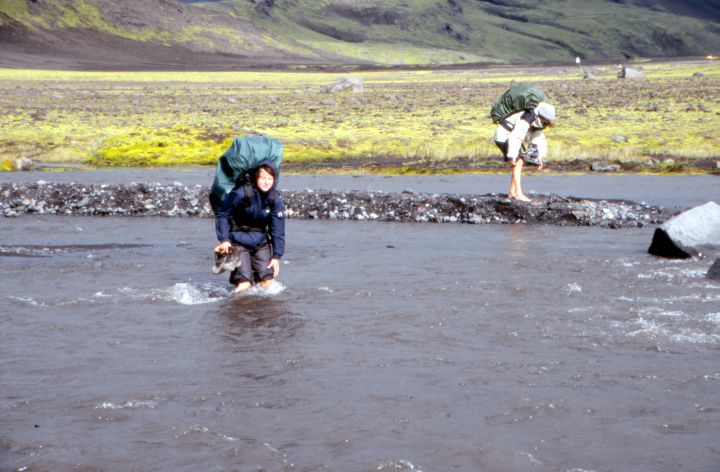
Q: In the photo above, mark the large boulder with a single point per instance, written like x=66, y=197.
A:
x=630, y=73
x=355, y=84
x=23, y=164
x=689, y=233
x=714, y=271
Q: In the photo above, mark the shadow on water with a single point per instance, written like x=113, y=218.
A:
x=247, y=319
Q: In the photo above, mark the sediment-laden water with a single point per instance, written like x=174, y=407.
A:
x=382, y=346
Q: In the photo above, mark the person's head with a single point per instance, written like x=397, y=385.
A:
x=265, y=178
x=546, y=113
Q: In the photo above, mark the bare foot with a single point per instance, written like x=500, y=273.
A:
x=242, y=286
x=522, y=198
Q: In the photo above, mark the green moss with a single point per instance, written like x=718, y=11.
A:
x=421, y=118
x=175, y=146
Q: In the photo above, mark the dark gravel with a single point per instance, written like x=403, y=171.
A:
x=178, y=200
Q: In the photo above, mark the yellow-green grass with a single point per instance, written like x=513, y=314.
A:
x=423, y=118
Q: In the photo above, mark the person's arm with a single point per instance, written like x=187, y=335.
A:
x=537, y=138
x=222, y=221
x=277, y=234
x=277, y=227
x=517, y=137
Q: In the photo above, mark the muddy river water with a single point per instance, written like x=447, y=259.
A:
x=381, y=347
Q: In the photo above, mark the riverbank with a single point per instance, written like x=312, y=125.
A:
x=179, y=200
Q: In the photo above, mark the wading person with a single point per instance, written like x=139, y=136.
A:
x=251, y=222
x=522, y=115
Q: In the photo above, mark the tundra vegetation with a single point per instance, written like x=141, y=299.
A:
x=403, y=121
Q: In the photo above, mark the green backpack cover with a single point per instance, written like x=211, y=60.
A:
x=518, y=97
x=241, y=158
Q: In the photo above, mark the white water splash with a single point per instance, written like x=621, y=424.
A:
x=694, y=298
x=657, y=328
x=398, y=465
x=188, y=294
x=182, y=293
x=275, y=288
x=658, y=312
x=572, y=287
x=26, y=301
x=674, y=273
x=127, y=404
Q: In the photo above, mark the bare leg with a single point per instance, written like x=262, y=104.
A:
x=242, y=286
x=266, y=283
x=515, y=182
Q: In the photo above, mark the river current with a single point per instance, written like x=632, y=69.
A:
x=381, y=347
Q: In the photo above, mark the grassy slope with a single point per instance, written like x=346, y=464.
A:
x=149, y=22
x=432, y=31
x=392, y=31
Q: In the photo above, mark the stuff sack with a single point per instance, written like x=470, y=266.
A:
x=516, y=98
x=241, y=158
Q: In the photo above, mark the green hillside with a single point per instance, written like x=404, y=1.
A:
x=382, y=32
x=452, y=31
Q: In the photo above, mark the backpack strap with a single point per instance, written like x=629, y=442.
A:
x=244, y=181
x=247, y=193
x=529, y=116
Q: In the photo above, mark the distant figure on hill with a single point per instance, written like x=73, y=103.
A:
x=522, y=114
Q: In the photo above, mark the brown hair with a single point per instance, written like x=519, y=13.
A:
x=267, y=168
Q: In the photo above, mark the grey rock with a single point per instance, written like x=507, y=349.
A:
x=602, y=166
x=630, y=73
x=689, y=233
x=23, y=164
x=355, y=84
x=714, y=271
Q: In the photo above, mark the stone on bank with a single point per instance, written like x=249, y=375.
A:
x=689, y=233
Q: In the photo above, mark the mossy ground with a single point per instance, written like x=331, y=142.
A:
x=403, y=121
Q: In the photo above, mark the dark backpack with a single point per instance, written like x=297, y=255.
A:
x=518, y=97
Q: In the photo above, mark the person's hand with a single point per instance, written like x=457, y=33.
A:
x=275, y=266
x=223, y=247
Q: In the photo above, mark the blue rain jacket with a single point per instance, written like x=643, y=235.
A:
x=250, y=224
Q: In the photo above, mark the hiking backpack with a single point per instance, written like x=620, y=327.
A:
x=238, y=162
x=518, y=97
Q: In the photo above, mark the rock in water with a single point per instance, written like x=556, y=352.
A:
x=686, y=234
x=714, y=271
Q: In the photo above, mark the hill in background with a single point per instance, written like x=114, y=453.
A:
x=229, y=34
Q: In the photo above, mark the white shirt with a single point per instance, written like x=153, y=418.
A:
x=522, y=132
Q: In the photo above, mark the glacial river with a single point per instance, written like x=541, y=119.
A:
x=381, y=347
